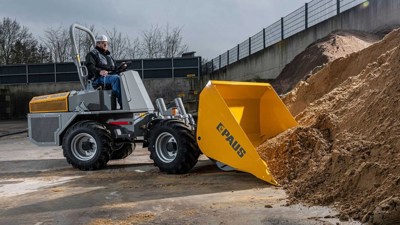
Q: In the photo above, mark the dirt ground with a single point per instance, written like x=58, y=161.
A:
x=38, y=187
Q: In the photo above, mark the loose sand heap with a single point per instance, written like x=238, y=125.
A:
x=346, y=151
x=336, y=45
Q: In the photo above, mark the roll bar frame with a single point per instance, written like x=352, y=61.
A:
x=82, y=70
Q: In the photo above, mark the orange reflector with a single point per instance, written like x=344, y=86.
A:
x=174, y=111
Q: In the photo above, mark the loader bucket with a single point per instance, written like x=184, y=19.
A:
x=234, y=118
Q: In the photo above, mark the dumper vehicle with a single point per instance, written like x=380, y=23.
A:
x=233, y=119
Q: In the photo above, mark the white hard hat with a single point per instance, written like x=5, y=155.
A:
x=101, y=38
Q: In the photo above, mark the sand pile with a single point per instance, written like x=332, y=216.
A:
x=336, y=45
x=346, y=151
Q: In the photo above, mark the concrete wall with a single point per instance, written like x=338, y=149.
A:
x=14, y=99
x=268, y=63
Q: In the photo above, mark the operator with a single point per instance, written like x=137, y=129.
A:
x=102, y=67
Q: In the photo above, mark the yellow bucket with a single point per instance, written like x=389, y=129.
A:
x=234, y=118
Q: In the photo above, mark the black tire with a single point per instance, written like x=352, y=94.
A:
x=87, y=145
x=121, y=151
x=173, y=147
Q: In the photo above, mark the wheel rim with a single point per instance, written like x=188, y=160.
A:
x=83, y=146
x=166, y=147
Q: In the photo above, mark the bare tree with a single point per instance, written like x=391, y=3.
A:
x=12, y=34
x=167, y=42
x=152, y=42
x=58, y=42
x=155, y=43
x=119, y=44
x=172, y=42
x=134, y=49
x=43, y=54
x=24, y=52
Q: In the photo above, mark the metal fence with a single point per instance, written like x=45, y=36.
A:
x=66, y=72
x=301, y=19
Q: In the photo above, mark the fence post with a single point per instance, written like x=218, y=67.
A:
x=219, y=62
x=142, y=69
x=264, y=38
x=306, y=16
x=227, y=58
x=338, y=7
x=199, y=68
x=173, y=69
x=282, y=29
x=26, y=71
x=237, y=52
x=212, y=65
x=55, y=73
x=249, y=46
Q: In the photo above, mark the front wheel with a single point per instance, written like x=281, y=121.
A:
x=173, y=147
x=86, y=145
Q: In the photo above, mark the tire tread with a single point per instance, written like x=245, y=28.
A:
x=101, y=133
x=187, y=158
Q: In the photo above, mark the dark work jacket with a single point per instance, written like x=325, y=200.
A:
x=97, y=60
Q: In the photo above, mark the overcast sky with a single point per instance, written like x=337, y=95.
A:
x=210, y=27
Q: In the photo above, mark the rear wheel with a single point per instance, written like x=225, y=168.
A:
x=173, y=147
x=121, y=150
x=87, y=145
